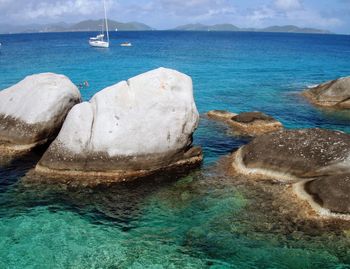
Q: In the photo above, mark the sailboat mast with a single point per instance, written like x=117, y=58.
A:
x=106, y=21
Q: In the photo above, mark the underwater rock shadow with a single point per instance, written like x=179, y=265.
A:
x=116, y=204
x=12, y=168
x=271, y=217
x=218, y=137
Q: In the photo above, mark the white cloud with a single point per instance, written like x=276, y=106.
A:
x=258, y=17
x=171, y=13
x=58, y=8
x=312, y=18
x=295, y=12
x=183, y=8
x=287, y=5
x=165, y=14
x=44, y=10
x=4, y=2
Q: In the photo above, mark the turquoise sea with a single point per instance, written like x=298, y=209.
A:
x=204, y=219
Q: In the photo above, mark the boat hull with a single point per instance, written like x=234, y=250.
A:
x=99, y=44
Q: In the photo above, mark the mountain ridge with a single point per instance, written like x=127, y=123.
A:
x=233, y=28
x=82, y=26
x=96, y=25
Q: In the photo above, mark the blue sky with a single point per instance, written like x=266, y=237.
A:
x=333, y=15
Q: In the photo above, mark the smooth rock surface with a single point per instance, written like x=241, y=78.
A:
x=131, y=128
x=333, y=94
x=247, y=123
x=301, y=153
x=293, y=156
x=33, y=110
x=331, y=192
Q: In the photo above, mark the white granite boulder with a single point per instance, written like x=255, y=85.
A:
x=132, y=128
x=33, y=110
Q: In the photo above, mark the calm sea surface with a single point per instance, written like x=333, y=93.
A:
x=196, y=221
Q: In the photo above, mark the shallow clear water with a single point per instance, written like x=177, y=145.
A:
x=198, y=221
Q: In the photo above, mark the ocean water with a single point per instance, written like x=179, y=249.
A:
x=202, y=220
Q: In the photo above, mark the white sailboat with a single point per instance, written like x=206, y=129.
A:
x=99, y=41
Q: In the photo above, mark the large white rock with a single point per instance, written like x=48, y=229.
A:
x=33, y=110
x=144, y=123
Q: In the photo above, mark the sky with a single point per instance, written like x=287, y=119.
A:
x=333, y=15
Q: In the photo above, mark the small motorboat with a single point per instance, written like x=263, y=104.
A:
x=126, y=44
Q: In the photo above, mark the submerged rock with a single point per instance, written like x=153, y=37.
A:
x=333, y=94
x=130, y=129
x=247, y=123
x=33, y=110
x=301, y=155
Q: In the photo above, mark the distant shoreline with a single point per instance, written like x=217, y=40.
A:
x=179, y=31
x=95, y=25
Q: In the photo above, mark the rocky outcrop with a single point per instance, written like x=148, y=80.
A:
x=131, y=129
x=221, y=115
x=331, y=192
x=332, y=94
x=255, y=123
x=33, y=110
x=247, y=123
x=318, y=159
x=303, y=153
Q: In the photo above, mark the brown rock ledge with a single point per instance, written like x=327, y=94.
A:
x=191, y=159
x=247, y=123
x=316, y=161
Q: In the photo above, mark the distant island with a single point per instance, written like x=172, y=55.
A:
x=95, y=25
x=83, y=26
x=233, y=28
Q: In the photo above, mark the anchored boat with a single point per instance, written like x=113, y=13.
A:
x=126, y=44
x=99, y=41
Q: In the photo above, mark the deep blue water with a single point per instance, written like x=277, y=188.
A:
x=191, y=223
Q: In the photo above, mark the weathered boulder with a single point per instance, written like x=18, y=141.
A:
x=291, y=154
x=247, y=123
x=333, y=94
x=255, y=123
x=331, y=192
x=319, y=157
x=33, y=110
x=128, y=130
x=221, y=115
